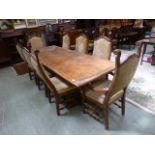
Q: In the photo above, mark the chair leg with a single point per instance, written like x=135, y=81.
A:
x=37, y=80
x=46, y=93
x=106, y=119
x=38, y=83
x=30, y=75
x=57, y=100
x=49, y=95
x=123, y=103
x=35, y=77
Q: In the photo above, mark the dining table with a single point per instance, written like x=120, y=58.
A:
x=74, y=67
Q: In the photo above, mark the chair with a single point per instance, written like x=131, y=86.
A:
x=20, y=51
x=100, y=95
x=81, y=44
x=56, y=86
x=148, y=41
x=102, y=47
x=66, y=41
x=38, y=75
x=35, y=43
x=27, y=57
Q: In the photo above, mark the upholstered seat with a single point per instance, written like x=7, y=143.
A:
x=61, y=86
x=99, y=98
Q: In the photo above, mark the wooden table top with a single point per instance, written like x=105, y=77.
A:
x=75, y=67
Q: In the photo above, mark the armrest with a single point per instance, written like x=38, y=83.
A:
x=98, y=90
x=101, y=91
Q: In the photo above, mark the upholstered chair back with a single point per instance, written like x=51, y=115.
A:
x=124, y=73
x=35, y=43
x=20, y=51
x=102, y=47
x=44, y=75
x=36, y=67
x=81, y=44
x=27, y=56
x=66, y=41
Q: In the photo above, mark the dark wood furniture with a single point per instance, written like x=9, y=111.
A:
x=60, y=90
x=76, y=68
x=145, y=43
x=99, y=95
x=8, y=42
x=5, y=55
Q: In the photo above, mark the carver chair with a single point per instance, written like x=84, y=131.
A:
x=81, y=44
x=58, y=88
x=100, y=95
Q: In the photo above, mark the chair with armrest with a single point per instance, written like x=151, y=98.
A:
x=66, y=41
x=100, y=95
x=57, y=87
x=102, y=47
x=81, y=44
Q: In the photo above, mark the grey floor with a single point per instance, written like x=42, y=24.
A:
x=25, y=110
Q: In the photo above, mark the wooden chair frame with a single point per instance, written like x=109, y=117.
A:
x=108, y=92
x=51, y=86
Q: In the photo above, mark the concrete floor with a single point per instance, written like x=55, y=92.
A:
x=25, y=110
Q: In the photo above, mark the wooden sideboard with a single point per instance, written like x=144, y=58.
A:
x=8, y=52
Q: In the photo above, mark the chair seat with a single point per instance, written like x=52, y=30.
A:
x=61, y=86
x=97, y=97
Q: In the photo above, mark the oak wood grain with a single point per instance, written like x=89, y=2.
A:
x=74, y=67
